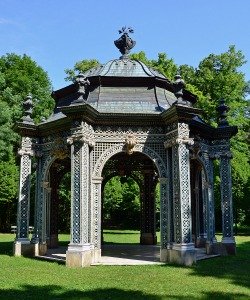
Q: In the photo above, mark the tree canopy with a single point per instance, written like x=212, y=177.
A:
x=19, y=76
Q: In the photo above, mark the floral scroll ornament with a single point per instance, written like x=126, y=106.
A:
x=130, y=143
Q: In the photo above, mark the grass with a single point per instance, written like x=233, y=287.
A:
x=220, y=278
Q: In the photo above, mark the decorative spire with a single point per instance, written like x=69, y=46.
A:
x=179, y=85
x=82, y=83
x=125, y=43
x=222, y=111
x=28, y=109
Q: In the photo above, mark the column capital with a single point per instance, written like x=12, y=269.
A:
x=178, y=140
x=26, y=151
x=97, y=179
x=80, y=138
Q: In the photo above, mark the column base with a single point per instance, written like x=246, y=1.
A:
x=52, y=242
x=148, y=239
x=200, y=242
x=80, y=255
x=22, y=247
x=39, y=249
x=182, y=254
x=226, y=247
x=229, y=245
x=164, y=255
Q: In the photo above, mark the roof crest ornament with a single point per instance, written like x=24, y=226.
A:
x=125, y=43
x=28, y=109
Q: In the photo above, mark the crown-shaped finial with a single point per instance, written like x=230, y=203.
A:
x=125, y=43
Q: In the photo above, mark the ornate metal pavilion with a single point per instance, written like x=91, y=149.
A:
x=125, y=119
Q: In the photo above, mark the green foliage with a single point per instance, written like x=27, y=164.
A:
x=8, y=182
x=19, y=76
x=163, y=64
x=64, y=203
x=81, y=67
x=121, y=203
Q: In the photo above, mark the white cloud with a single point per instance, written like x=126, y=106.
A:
x=7, y=21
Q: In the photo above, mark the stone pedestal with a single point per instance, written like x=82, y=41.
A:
x=182, y=255
x=148, y=239
x=200, y=242
x=22, y=247
x=179, y=254
x=53, y=241
x=164, y=255
x=39, y=249
x=80, y=255
x=229, y=245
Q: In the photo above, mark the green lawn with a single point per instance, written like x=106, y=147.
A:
x=220, y=278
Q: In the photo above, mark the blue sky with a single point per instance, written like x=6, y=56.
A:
x=57, y=33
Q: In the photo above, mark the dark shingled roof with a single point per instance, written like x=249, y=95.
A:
x=120, y=86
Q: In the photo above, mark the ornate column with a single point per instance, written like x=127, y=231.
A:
x=39, y=236
x=226, y=202
x=80, y=249
x=165, y=223
x=96, y=217
x=209, y=198
x=22, y=242
x=148, y=230
x=182, y=250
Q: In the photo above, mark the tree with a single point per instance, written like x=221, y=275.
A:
x=81, y=67
x=121, y=203
x=19, y=76
x=217, y=77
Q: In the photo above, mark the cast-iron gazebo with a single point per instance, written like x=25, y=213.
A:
x=125, y=119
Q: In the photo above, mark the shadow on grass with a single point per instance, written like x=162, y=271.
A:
x=6, y=248
x=56, y=292
x=234, y=268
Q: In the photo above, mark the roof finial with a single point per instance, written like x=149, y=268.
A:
x=82, y=83
x=125, y=43
x=28, y=109
x=222, y=110
x=179, y=85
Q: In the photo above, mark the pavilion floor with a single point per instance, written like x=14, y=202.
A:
x=123, y=255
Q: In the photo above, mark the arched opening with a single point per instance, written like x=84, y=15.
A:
x=198, y=203
x=129, y=193
x=58, y=203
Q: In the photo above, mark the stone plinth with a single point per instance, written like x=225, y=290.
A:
x=148, y=239
x=80, y=255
